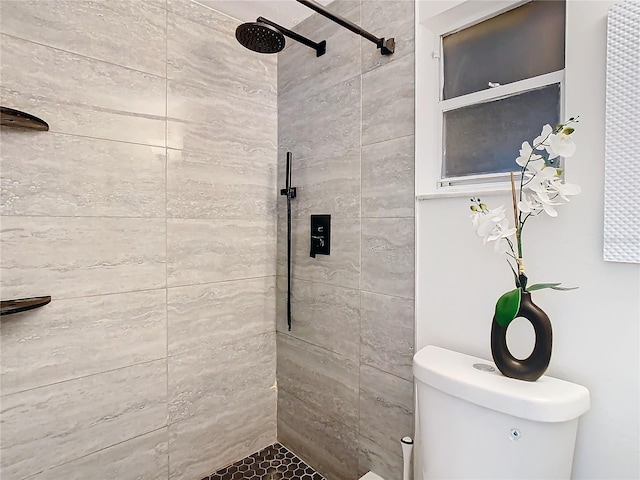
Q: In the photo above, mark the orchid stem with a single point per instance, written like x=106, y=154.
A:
x=516, y=223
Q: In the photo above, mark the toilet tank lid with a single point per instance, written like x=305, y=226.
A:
x=546, y=400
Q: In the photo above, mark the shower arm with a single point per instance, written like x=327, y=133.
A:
x=387, y=47
x=320, y=48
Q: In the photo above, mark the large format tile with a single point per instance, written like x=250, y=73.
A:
x=203, y=56
x=201, y=119
x=388, y=19
x=388, y=101
x=323, y=124
x=73, y=338
x=328, y=185
x=64, y=175
x=386, y=408
x=386, y=333
x=214, y=314
x=127, y=32
x=332, y=388
x=203, y=251
x=374, y=458
x=388, y=256
x=321, y=314
x=210, y=380
x=201, y=445
x=68, y=257
x=71, y=419
x=69, y=78
x=201, y=185
x=301, y=73
x=84, y=120
x=142, y=458
x=321, y=441
x=203, y=14
x=388, y=178
x=341, y=267
x=349, y=9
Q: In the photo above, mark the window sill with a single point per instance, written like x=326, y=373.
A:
x=465, y=191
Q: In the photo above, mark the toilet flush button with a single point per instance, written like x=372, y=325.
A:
x=483, y=367
x=514, y=434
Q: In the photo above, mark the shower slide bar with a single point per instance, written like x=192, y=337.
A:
x=290, y=192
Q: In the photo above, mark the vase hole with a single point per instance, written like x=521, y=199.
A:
x=521, y=338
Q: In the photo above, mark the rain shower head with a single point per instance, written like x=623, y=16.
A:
x=260, y=37
x=265, y=36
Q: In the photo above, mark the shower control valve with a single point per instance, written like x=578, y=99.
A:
x=320, y=235
x=319, y=239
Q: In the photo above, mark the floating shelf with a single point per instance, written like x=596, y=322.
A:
x=15, y=118
x=7, y=307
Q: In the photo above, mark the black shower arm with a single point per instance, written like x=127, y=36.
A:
x=320, y=48
x=387, y=47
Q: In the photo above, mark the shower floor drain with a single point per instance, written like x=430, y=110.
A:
x=275, y=462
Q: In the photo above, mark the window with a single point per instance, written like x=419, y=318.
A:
x=499, y=79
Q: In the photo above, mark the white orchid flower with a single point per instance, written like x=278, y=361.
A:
x=528, y=204
x=541, y=142
x=564, y=189
x=532, y=169
x=545, y=202
x=561, y=144
x=527, y=155
x=485, y=221
x=493, y=226
x=549, y=209
x=500, y=230
x=540, y=180
x=536, y=166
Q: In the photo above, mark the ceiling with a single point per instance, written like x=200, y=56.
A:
x=283, y=12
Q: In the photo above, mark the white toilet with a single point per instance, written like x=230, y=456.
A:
x=475, y=423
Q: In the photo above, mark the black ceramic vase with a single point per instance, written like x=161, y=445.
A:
x=533, y=367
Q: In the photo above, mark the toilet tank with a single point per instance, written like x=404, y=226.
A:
x=475, y=423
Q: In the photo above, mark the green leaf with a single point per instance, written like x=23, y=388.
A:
x=515, y=275
x=507, y=307
x=554, y=286
x=540, y=286
x=564, y=288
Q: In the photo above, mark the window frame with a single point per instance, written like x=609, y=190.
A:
x=430, y=106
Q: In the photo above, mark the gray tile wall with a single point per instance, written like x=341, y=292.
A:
x=148, y=213
x=345, y=393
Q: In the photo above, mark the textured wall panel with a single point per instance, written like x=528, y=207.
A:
x=622, y=162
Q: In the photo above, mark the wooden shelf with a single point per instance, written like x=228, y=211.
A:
x=7, y=307
x=17, y=119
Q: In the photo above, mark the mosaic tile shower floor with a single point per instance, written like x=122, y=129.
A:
x=274, y=462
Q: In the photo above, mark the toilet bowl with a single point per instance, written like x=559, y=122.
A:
x=476, y=423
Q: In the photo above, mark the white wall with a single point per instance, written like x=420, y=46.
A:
x=596, y=335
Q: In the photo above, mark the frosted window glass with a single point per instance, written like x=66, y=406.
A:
x=486, y=138
x=522, y=43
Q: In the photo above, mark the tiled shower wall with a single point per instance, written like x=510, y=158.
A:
x=148, y=213
x=344, y=370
